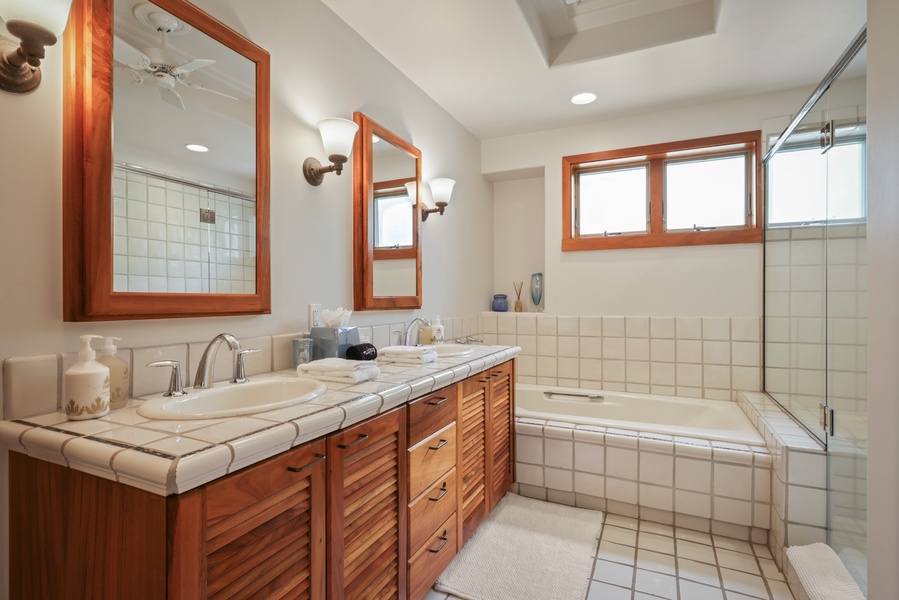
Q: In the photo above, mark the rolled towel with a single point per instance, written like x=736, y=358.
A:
x=362, y=352
x=365, y=372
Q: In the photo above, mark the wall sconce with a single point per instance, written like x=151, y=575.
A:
x=412, y=192
x=38, y=23
x=441, y=191
x=337, y=137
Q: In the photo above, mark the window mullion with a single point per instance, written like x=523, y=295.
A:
x=656, y=199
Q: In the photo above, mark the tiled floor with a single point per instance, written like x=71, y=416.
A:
x=641, y=560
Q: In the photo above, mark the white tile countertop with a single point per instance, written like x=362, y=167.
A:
x=172, y=457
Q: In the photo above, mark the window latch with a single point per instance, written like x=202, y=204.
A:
x=698, y=228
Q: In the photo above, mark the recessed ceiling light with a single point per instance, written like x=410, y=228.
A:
x=196, y=148
x=584, y=98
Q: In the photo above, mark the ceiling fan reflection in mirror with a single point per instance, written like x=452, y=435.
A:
x=161, y=65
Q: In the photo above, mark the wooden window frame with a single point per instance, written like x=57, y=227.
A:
x=656, y=155
x=383, y=188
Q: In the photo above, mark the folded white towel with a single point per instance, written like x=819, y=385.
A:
x=427, y=357
x=406, y=351
x=821, y=573
x=358, y=375
x=333, y=364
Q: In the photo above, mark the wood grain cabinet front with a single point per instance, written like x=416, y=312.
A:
x=367, y=509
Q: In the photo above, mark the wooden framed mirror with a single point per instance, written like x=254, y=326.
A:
x=386, y=219
x=150, y=230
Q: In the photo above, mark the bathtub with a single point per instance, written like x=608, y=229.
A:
x=714, y=420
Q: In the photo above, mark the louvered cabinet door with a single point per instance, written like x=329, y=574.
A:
x=472, y=462
x=501, y=438
x=366, y=510
x=265, y=528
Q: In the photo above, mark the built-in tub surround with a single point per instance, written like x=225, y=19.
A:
x=169, y=457
x=718, y=420
x=695, y=357
x=711, y=486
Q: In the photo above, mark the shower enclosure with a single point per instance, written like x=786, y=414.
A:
x=815, y=289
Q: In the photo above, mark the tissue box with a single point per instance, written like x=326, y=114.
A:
x=330, y=342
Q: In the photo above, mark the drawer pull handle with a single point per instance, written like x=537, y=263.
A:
x=485, y=380
x=442, y=443
x=437, y=402
x=320, y=457
x=443, y=492
x=362, y=438
x=443, y=541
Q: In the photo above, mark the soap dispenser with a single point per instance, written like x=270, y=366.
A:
x=437, y=331
x=118, y=373
x=86, y=385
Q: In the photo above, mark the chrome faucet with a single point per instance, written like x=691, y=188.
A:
x=415, y=332
x=206, y=369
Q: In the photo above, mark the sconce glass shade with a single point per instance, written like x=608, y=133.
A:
x=410, y=191
x=441, y=189
x=338, y=136
x=51, y=14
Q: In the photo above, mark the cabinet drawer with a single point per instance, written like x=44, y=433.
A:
x=430, y=459
x=432, y=508
x=431, y=559
x=433, y=412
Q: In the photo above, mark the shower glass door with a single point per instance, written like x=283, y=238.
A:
x=816, y=292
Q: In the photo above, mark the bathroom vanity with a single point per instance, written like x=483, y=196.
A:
x=373, y=509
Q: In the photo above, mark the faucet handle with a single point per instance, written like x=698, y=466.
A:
x=175, y=386
x=239, y=375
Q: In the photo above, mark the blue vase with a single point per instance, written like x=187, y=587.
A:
x=537, y=290
x=500, y=303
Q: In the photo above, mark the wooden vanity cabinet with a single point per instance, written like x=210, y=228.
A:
x=367, y=509
x=258, y=533
x=486, y=415
x=390, y=499
x=432, y=455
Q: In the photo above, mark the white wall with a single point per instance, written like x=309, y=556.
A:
x=320, y=68
x=517, y=236
x=883, y=299
x=690, y=281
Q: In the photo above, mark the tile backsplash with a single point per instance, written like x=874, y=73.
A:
x=706, y=357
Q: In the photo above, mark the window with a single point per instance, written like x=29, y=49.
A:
x=393, y=220
x=702, y=191
x=809, y=187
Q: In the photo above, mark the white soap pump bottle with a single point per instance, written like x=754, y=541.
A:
x=86, y=385
x=118, y=373
x=437, y=331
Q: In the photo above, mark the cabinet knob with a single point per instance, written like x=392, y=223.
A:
x=362, y=438
x=443, y=541
x=320, y=457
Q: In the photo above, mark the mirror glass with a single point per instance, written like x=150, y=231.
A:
x=151, y=228
x=387, y=214
x=183, y=220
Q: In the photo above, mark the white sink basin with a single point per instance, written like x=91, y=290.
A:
x=232, y=399
x=447, y=350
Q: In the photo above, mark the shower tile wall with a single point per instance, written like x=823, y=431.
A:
x=160, y=245
x=700, y=357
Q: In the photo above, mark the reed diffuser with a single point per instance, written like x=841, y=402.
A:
x=519, y=307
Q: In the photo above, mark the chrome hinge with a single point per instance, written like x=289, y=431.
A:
x=827, y=418
x=826, y=138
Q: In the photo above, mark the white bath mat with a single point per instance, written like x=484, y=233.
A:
x=529, y=549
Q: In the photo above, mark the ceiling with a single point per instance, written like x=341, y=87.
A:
x=504, y=67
